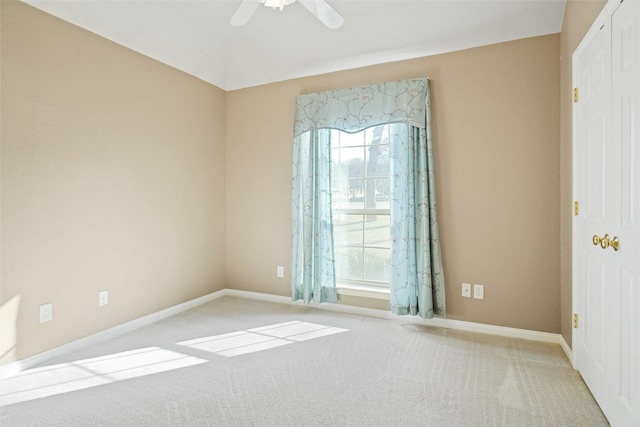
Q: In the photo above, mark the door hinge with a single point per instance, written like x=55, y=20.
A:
x=575, y=320
x=575, y=94
x=576, y=208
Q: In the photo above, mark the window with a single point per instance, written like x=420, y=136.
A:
x=355, y=219
x=360, y=195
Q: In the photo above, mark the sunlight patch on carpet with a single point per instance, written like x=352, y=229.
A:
x=82, y=374
x=262, y=338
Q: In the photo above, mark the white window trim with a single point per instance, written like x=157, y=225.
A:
x=360, y=211
x=352, y=290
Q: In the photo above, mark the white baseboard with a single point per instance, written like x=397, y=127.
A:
x=443, y=323
x=21, y=365
x=567, y=351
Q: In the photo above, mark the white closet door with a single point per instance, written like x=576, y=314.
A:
x=624, y=336
x=607, y=241
x=593, y=132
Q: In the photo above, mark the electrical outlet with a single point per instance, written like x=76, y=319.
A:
x=103, y=298
x=280, y=271
x=478, y=291
x=466, y=290
x=46, y=312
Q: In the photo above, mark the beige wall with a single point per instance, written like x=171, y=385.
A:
x=497, y=139
x=121, y=173
x=113, y=177
x=578, y=17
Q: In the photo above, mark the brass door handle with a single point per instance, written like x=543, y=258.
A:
x=605, y=242
x=615, y=243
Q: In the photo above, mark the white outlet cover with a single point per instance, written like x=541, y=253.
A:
x=466, y=290
x=103, y=298
x=478, y=291
x=280, y=271
x=46, y=312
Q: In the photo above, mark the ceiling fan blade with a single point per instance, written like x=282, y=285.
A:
x=324, y=12
x=245, y=12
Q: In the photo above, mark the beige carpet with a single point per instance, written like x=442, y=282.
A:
x=241, y=362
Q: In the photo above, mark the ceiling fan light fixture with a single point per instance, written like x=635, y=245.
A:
x=276, y=3
x=318, y=8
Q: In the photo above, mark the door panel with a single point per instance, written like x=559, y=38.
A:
x=625, y=336
x=592, y=133
x=607, y=150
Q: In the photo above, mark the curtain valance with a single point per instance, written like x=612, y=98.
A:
x=355, y=109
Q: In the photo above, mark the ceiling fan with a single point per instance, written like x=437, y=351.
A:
x=318, y=8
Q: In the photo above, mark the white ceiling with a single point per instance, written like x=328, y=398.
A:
x=195, y=35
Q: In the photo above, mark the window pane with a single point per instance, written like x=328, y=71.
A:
x=335, y=138
x=339, y=193
x=348, y=229
x=382, y=193
x=369, y=194
x=376, y=265
x=369, y=133
x=349, y=263
x=353, y=160
x=351, y=139
x=335, y=162
x=382, y=163
x=377, y=231
x=376, y=159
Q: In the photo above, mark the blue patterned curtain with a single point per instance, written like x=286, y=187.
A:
x=417, y=279
x=312, y=264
